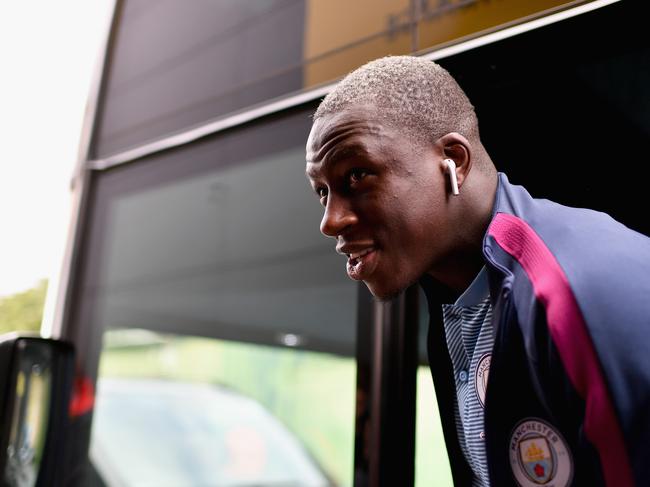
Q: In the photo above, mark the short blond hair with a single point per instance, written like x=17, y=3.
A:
x=412, y=94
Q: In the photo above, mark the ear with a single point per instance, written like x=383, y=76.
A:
x=457, y=148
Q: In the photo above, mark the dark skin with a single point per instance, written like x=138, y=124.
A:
x=388, y=201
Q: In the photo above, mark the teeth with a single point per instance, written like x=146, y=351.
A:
x=360, y=254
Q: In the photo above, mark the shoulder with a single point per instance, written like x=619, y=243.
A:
x=606, y=265
x=581, y=263
x=590, y=276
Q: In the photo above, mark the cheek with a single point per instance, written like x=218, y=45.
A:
x=416, y=225
x=420, y=238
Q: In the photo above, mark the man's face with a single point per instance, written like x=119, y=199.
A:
x=384, y=198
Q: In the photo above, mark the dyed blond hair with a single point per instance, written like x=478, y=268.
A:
x=413, y=95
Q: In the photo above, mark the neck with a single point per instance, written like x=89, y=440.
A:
x=465, y=260
x=459, y=270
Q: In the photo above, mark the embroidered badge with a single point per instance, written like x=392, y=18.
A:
x=539, y=455
x=481, y=377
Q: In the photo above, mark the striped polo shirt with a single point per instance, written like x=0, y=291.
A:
x=468, y=331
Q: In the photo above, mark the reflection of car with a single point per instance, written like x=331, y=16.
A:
x=171, y=434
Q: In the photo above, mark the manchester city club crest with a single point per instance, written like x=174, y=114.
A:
x=539, y=455
x=481, y=377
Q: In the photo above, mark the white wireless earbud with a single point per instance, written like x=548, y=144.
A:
x=451, y=169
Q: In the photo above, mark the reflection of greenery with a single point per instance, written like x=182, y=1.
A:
x=431, y=464
x=311, y=393
x=37, y=412
x=23, y=311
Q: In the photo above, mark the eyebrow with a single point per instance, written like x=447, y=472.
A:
x=348, y=150
x=345, y=151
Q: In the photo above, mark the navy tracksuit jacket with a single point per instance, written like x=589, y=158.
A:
x=568, y=395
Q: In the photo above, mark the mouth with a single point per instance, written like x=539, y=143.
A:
x=361, y=264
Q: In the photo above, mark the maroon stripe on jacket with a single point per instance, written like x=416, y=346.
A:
x=569, y=333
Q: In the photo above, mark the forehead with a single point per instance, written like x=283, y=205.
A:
x=349, y=121
x=353, y=131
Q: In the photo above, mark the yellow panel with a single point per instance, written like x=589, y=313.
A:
x=439, y=25
x=340, y=35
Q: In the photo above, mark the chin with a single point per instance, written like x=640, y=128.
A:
x=385, y=295
x=385, y=290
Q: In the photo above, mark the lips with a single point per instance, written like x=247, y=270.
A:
x=360, y=254
x=361, y=264
x=362, y=258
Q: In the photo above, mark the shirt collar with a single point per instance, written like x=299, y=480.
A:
x=476, y=292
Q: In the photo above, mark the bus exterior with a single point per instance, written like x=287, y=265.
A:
x=218, y=340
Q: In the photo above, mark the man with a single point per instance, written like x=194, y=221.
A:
x=551, y=303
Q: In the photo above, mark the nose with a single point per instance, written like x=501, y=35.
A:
x=337, y=217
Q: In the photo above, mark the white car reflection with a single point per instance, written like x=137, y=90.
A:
x=155, y=433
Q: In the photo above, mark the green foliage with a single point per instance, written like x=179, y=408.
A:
x=23, y=311
x=312, y=394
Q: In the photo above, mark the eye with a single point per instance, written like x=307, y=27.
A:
x=322, y=193
x=356, y=175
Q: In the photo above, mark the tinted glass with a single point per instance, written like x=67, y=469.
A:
x=556, y=103
x=31, y=409
x=442, y=20
x=174, y=65
x=431, y=460
x=186, y=411
x=228, y=325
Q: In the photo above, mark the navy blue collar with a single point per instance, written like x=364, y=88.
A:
x=476, y=292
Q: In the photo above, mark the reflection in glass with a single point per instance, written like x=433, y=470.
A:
x=210, y=279
x=186, y=411
x=31, y=413
x=431, y=461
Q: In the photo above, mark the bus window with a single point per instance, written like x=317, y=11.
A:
x=174, y=410
x=227, y=324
